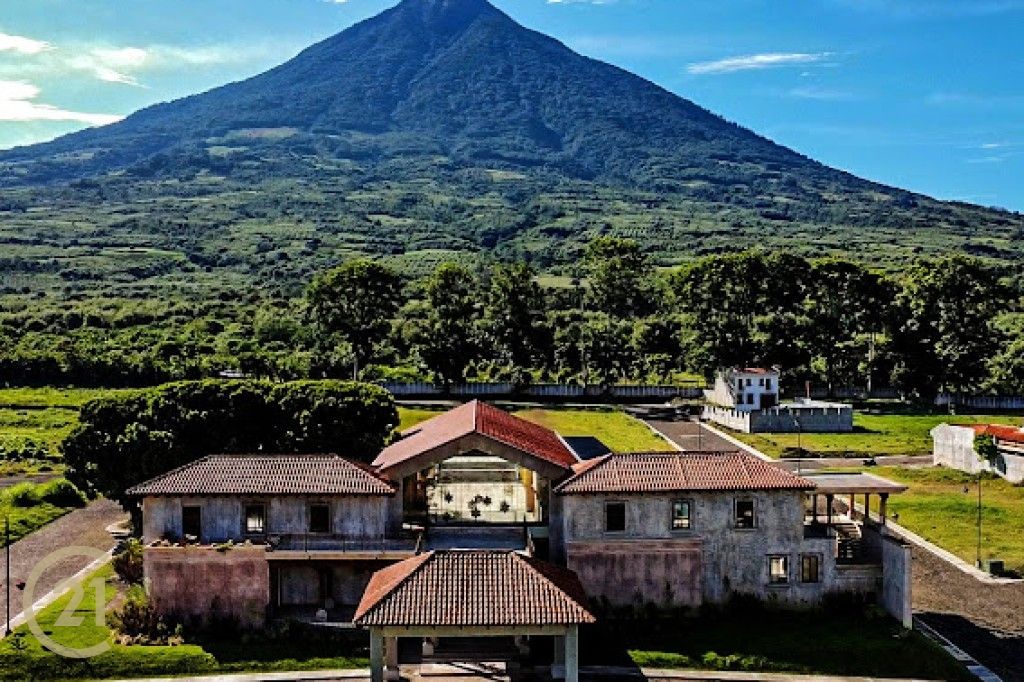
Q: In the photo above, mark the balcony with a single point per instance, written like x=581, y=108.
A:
x=293, y=546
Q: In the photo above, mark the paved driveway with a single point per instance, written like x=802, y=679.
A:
x=689, y=435
x=82, y=527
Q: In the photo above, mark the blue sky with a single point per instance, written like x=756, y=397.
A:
x=923, y=94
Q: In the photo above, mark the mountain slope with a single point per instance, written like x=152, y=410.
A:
x=440, y=126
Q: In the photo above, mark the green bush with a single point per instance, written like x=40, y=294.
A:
x=62, y=493
x=139, y=622
x=128, y=562
x=23, y=495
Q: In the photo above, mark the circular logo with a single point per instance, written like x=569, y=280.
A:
x=69, y=616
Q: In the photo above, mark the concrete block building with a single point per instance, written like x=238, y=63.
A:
x=476, y=491
x=953, y=446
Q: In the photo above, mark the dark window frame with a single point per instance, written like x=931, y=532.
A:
x=738, y=521
x=263, y=518
x=804, y=565
x=772, y=579
x=309, y=518
x=608, y=505
x=688, y=519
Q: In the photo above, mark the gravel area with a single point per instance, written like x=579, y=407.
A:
x=82, y=527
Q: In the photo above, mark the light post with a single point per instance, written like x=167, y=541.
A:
x=7, y=564
x=978, y=553
x=799, y=446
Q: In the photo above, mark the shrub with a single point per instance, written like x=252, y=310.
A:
x=23, y=495
x=139, y=622
x=62, y=493
x=128, y=562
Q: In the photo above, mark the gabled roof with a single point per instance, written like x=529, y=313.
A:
x=1011, y=434
x=480, y=418
x=267, y=474
x=648, y=472
x=478, y=588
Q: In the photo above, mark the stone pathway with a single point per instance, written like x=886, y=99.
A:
x=82, y=527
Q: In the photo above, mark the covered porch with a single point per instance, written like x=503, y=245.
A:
x=448, y=596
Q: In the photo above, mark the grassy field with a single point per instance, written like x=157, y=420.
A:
x=873, y=435
x=614, y=428
x=823, y=642
x=941, y=506
x=30, y=506
x=23, y=657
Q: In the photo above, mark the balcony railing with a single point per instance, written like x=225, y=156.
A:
x=329, y=542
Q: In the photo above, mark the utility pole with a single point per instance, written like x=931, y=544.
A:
x=978, y=554
x=7, y=581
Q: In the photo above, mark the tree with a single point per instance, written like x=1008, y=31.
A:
x=1006, y=369
x=944, y=331
x=605, y=345
x=620, y=279
x=131, y=437
x=513, y=318
x=447, y=341
x=355, y=301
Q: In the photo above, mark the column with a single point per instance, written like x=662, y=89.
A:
x=572, y=654
x=882, y=500
x=376, y=655
x=428, y=645
x=814, y=508
x=391, y=671
x=829, y=497
x=558, y=665
x=867, y=508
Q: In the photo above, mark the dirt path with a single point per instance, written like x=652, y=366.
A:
x=8, y=481
x=986, y=621
x=82, y=527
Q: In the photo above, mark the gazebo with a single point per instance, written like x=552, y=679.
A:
x=473, y=593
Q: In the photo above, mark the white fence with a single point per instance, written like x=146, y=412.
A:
x=507, y=389
x=982, y=402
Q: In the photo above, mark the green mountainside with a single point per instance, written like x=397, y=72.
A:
x=438, y=129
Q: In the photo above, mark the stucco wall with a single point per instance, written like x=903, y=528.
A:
x=953, y=446
x=666, y=572
x=783, y=419
x=204, y=583
x=732, y=561
x=896, y=580
x=356, y=516
x=299, y=583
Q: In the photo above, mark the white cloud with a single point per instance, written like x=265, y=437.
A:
x=820, y=93
x=22, y=45
x=766, y=60
x=18, y=103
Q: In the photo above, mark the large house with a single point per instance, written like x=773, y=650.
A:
x=477, y=522
x=746, y=399
x=953, y=446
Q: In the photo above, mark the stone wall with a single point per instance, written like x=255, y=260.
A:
x=207, y=584
x=353, y=516
x=733, y=561
x=666, y=572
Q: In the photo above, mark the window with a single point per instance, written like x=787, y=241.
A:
x=810, y=568
x=615, y=517
x=739, y=384
x=745, y=514
x=748, y=381
x=319, y=518
x=192, y=521
x=778, y=570
x=768, y=383
x=750, y=399
x=760, y=382
x=255, y=519
x=681, y=515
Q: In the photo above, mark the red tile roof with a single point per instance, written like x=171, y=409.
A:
x=1012, y=434
x=644, y=472
x=483, y=419
x=267, y=474
x=477, y=588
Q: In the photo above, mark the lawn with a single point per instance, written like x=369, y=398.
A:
x=29, y=506
x=614, y=428
x=843, y=641
x=873, y=435
x=23, y=657
x=941, y=506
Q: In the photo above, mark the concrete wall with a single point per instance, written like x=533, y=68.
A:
x=783, y=419
x=896, y=580
x=664, y=572
x=953, y=446
x=732, y=561
x=986, y=402
x=204, y=583
x=355, y=516
x=299, y=583
x=508, y=390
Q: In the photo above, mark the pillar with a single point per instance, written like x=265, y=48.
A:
x=391, y=671
x=867, y=508
x=883, y=499
x=814, y=507
x=828, y=508
x=572, y=654
x=376, y=655
x=428, y=645
x=558, y=665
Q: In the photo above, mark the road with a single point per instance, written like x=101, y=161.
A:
x=82, y=527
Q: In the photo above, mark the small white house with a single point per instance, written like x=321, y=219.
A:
x=745, y=389
x=953, y=446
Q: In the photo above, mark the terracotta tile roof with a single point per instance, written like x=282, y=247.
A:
x=642, y=472
x=267, y=474
x=1012, y=434
x=483, y=419
x=477, y=588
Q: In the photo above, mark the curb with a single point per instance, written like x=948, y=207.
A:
x=962, y=657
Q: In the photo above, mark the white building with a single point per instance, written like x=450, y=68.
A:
x=953, y=446
x=745, y=389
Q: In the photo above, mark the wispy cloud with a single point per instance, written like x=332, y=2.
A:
x=927, y=9
x=765, y=60
x=824, y=94
x=22, y=45
x=974, y=99
x=18, y=103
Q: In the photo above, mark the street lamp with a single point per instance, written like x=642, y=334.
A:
x=799, y=446
x=7, y=582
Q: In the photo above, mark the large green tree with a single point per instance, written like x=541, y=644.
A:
x=128, y=438
x=514, y=315
x=448, y=340
x=620, y=279
x=355, y=302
